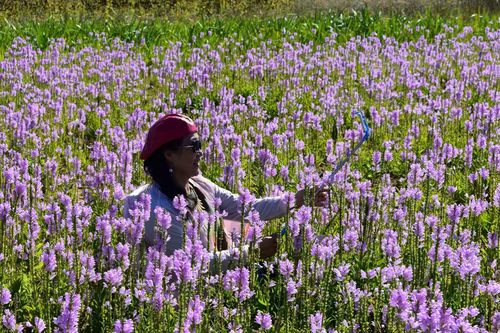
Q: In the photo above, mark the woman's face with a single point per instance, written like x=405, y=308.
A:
x=185, y=160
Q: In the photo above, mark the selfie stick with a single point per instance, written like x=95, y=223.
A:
x=329, y=180
x=366, y=135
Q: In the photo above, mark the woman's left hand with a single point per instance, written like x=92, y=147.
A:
x=268, y=247
x=320, y=200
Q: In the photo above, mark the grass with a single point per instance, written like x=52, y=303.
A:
x=82, y=30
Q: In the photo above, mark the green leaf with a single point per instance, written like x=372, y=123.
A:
x=263, y=302
x=334, y=132
x=16, y=285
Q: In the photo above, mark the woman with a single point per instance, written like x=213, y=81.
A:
x=171, y=155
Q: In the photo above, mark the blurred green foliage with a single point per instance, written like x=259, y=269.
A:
x=198, y=9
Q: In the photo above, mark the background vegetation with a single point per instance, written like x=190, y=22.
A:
x=150, y=30
x=158, y=22
x=196, y=9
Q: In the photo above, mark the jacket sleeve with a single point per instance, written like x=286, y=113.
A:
x=268, y=207
x=126, y=207
x=225, y=258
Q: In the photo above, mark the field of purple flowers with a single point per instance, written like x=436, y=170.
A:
x=409, y=240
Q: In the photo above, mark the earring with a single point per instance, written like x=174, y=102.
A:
x=171, y=170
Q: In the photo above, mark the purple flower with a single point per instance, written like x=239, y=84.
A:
x=125, y=326
x=247, y=141
x=496, y=196
x=182, y=267
x=472, y=177
x=285, y=267
x=418, y=227
x=291, y=290
x=180, y=204
x=376, y=157
x=399, y=299
x=122, y=253
x=495, y=320
x=316, y=321
x=8, y=320
x=284, y=173
x=416, y=174
x=5, y=296
x=49, y=260
x=454, y=212
x=234, y=328
x=238, y=281
x=245, y=199
x=194, y=313
x=390, y=244
x=492, y=240
x=468, y=152
x=492, y=288
x=351, y=239
x=466, y=260
x=254, y=232
x=87, y=267
x=342, y=271
x=39, y=324
x=67, y=321
x=484, y=173
x=387, y=155
x=264, y=320
x=140, y=213
x=114, y=277
x=289, y=198
x=163, y=218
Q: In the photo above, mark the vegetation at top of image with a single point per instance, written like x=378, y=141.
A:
x=202, y=9
x=82, y=28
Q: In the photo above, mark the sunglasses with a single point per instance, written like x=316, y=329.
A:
x=196, y=146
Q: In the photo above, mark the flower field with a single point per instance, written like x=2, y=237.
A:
x=408, y=242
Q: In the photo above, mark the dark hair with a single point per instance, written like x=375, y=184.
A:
x=157, y=168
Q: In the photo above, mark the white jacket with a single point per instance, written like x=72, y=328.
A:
x=268, y=208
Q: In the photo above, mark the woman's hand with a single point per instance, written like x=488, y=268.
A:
x=268, y=246
x=321, y=199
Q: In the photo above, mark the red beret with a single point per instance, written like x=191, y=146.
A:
x=166, y=129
